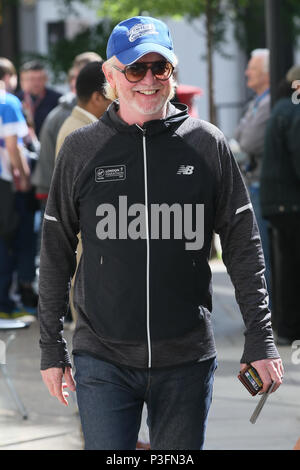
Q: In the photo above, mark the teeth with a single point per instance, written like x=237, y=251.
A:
x=148, y=92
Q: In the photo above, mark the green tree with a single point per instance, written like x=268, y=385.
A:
x=94, y=38
x=61, y=54
x=250, y=22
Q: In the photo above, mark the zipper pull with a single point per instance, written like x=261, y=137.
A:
x=141, y=129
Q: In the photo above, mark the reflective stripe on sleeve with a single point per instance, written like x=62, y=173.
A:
x=50, y=217
x=243, y=208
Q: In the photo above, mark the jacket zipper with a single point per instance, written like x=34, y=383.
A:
x=147, y=247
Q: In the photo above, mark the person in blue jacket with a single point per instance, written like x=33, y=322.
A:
x=17, y=239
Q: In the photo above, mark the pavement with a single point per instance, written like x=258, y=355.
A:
x=52, y=426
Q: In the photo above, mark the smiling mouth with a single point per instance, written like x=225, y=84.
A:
x=147, y=92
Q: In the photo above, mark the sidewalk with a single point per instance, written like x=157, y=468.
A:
x=51, y=426
x=229, y=428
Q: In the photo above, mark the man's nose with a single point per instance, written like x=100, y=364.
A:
x=149, y=78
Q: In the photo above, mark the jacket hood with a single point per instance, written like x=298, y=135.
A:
x=175, y=114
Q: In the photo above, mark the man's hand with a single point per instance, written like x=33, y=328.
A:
x=53, y=378
x=22, y=182
x=19, y=164
x=269, y=370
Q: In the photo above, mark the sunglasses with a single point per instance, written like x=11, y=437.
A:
x=162, y=70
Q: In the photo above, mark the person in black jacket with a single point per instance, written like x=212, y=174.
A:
x=280, y=202
x=147, y=185
x=37, y=98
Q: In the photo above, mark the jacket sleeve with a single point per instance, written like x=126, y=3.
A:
x=58, y=259
x=243, y=256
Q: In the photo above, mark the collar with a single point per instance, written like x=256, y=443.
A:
x=258, y=98
x=175, y=114
x=91, y=116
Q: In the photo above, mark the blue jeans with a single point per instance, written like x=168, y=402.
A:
x=111, y=398
x=19, y=255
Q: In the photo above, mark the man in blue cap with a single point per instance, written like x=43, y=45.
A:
x=136, y=184
x=141, y=93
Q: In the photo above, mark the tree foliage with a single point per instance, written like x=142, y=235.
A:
x=250, y=22
x=93, y=38
x=176, y=9
x=247, y=16
x=61, y=54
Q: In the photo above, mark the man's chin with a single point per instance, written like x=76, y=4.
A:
x=150, y=109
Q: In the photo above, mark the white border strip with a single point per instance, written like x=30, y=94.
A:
x=243, y=208
x=49, y=217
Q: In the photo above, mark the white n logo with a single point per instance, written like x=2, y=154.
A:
x=185, y=170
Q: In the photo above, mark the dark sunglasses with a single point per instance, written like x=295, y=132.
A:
x=162, y=70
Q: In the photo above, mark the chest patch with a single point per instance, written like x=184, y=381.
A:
x=110, y=173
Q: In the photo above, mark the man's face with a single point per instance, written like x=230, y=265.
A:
x=145, y=100
x=257, y=78
x=37, y=81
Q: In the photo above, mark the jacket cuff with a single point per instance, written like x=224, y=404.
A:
x=259, y=348
x=56, y=355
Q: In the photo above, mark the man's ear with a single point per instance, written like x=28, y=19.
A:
x=107, y=70
x=98, y=97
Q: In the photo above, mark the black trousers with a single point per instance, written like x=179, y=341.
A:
x=8, y=215
x=285, y=265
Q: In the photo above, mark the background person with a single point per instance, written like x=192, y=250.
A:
x=280, y=205
x=250, y=134
x=91, y=104
x=17, y=240
x=143, y=332
x=45, y=166
x=37, y=99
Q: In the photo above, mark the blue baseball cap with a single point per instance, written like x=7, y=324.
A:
x=137, y=36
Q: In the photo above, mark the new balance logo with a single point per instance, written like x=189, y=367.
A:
x=185, y=170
